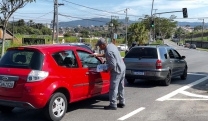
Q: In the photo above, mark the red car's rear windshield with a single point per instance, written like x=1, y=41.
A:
x=26, y=59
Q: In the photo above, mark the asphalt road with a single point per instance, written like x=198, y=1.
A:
x=145, y=100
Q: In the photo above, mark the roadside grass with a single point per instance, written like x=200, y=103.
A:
x=122, y=53
x=202, y=49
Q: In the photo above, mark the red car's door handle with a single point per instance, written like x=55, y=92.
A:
x=87, y=73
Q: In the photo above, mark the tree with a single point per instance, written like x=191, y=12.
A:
x=116, y=24
x=197, y=28
x=7, y=8
x=85, y=33
x=163, y=26
x=30, y=22
x=67, y=34
x=21, y=22
x=138, y=33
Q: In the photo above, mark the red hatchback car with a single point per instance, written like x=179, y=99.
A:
x=49, y=77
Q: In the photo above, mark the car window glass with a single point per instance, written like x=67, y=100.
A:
x=140, y=52
x=88, y=61
x=176, y=54
x=163, y=53
x=66, y=59
x=171, y=55
x=28, y=59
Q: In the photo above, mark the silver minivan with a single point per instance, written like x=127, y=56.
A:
x=159, y=62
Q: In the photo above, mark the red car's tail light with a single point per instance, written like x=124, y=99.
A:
x=158, y=64
x=35, y=75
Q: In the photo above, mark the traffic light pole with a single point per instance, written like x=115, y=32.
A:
x=151, y=23
x=168, y=12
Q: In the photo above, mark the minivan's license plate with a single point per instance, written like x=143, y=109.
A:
x=138, y=73
x=7, y=84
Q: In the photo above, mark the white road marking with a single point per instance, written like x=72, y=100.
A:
x=193, y=95
x=186, y=99
x=197, y=74
x=181, y=89
x=131, y=114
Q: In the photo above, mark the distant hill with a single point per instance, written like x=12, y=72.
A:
x=103, y=21
x=93, y=21
x=192, y=24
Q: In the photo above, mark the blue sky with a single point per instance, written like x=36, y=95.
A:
x=41, y=11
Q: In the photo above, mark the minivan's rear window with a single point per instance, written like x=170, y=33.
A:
x=142, y=53
x=27, y=59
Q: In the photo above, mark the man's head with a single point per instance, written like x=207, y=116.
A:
x=101, y=43
x=114, y=41
x=134, y=43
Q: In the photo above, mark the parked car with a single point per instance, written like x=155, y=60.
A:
x=180, y=44
x=49, y=77
x=79, y=45
x=187, y=45
x=123, y=47
x=154, y=63
x=89, y=45
x=192, y=46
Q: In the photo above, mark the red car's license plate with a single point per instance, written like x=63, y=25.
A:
x=7, y=84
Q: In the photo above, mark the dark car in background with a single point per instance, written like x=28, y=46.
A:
x=192, y=46
x=155, y=63
x=86, y=46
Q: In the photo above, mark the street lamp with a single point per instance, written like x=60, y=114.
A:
x=111, y=25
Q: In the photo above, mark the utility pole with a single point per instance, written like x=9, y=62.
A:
x=13, y=30
x=111, y=25
x=202, y=31
x=154, y=24
x=126, y=19
x=55, y=20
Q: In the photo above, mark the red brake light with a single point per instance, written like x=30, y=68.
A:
x=158, y=64
x=20, y=48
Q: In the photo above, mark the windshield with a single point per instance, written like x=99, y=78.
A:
x=28, y=59
x=142, y=53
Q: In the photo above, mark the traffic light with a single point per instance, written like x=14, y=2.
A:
x=185, y=13
x=152, y=24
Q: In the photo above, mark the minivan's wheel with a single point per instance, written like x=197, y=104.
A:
x=167, y=80
x=130, y=81
x=5, y=109
x=56, y=107
x=184, y=75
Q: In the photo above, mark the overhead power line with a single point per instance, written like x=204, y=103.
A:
x=83, y=18
x=99, y=9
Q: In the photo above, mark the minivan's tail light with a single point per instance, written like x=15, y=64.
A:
x=36, y=75
x=158, y=64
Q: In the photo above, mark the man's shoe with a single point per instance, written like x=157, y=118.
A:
x=110, y=108
x=121, y=105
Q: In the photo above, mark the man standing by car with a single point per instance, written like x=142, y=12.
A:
x=117, y=68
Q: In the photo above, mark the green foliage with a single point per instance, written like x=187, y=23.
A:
x=138, y=33
x=160, y=42
x=85, y=33
x=20, y=27
x=163, y=26
x=68, y=34
x=116, y=24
